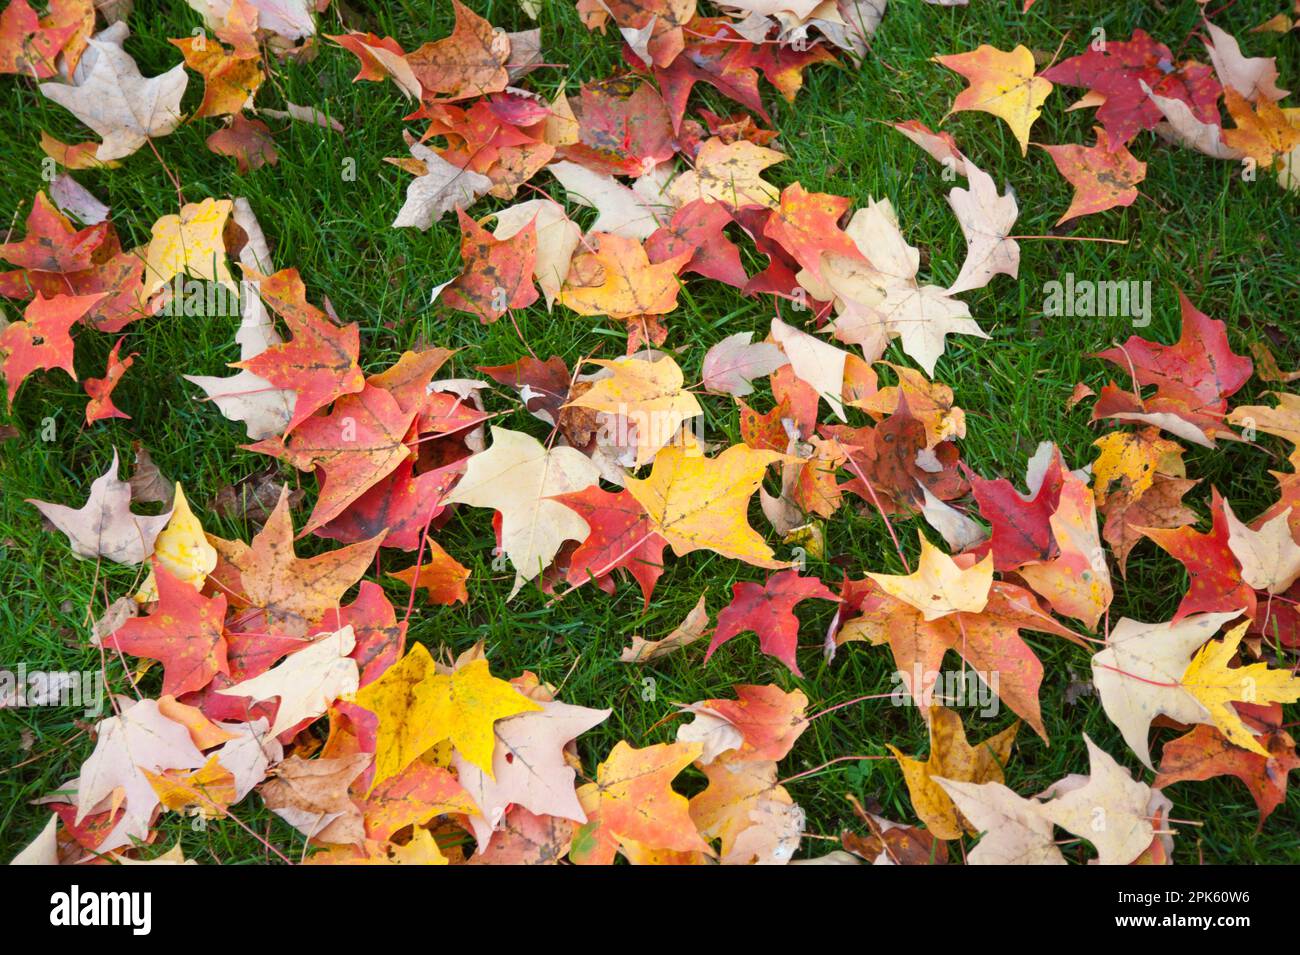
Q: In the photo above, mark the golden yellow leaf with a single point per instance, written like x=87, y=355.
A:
x=1131, y=461
x=1216, y=686
x=229, y=82
x=188, y=244
x=209, y=789
x=421, y=850
x=1263, y=133
x=952, y=757
x=182, y=548
x=697, y=503
x=418, y=707
x=618, y=280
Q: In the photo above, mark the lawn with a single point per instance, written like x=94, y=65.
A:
x=1231, y=245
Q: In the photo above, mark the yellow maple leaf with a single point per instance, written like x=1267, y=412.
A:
x=618, y=280
x=421, y=850
x=418, y=707
x=1132, y=459
x=939, y=586
x=1262, y=133
x=190, y=243
x=697, y=503
x=1001, y=83
x=1216, y=686
x=951, y=757
x=182, y=548
x=648, y=395
x=209, y=789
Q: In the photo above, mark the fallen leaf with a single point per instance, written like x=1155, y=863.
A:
x=1102, y=178
x=290, y=592
x=632, y=800
x=529, y=768
x=768, y=610
x=104, y=526
x=1108, y=809
x=306, y=683
x=312, y=796
x=518, y=477
x=42, y=340
x=418, y=707
x=732, y=364
x=939, y=587
x=1003, y=84
x=695, y=502
x=1138, y=675
x=694, y=627
x=1016, y=830
x=1215, y=685
x=951, y=758
x=440, y=189
x=125, y=108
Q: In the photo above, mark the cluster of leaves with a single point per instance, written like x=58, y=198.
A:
x=378, y=752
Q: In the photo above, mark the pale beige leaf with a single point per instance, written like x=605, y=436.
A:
x=124, y=107
x=518, y=477
x=1137, y=675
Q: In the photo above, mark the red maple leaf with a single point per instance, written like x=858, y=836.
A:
x=1119, y=69
x=120, y=277
x=783, y=65
x=768, y=610
x=403, y=503
x=697, y=226
x=1205, y=753
x=100, y=390
x=1021, y=529
x=547, y=382
x=1199, y=370
x=623, y=127
x=60, y=260
x=42, y=340
x=779, y=278
x=621, y=536
x=184, y=632
x=711, y=55
x=354, y=447
x=766, y=432
x=789, y=390
x=883, y=462
x=30, y=45
x=319, y=364
x=498, y=137
x=807, y=225
x=1215, y=575
x=51, y=243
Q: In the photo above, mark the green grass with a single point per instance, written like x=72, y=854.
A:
x=1232, y=246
